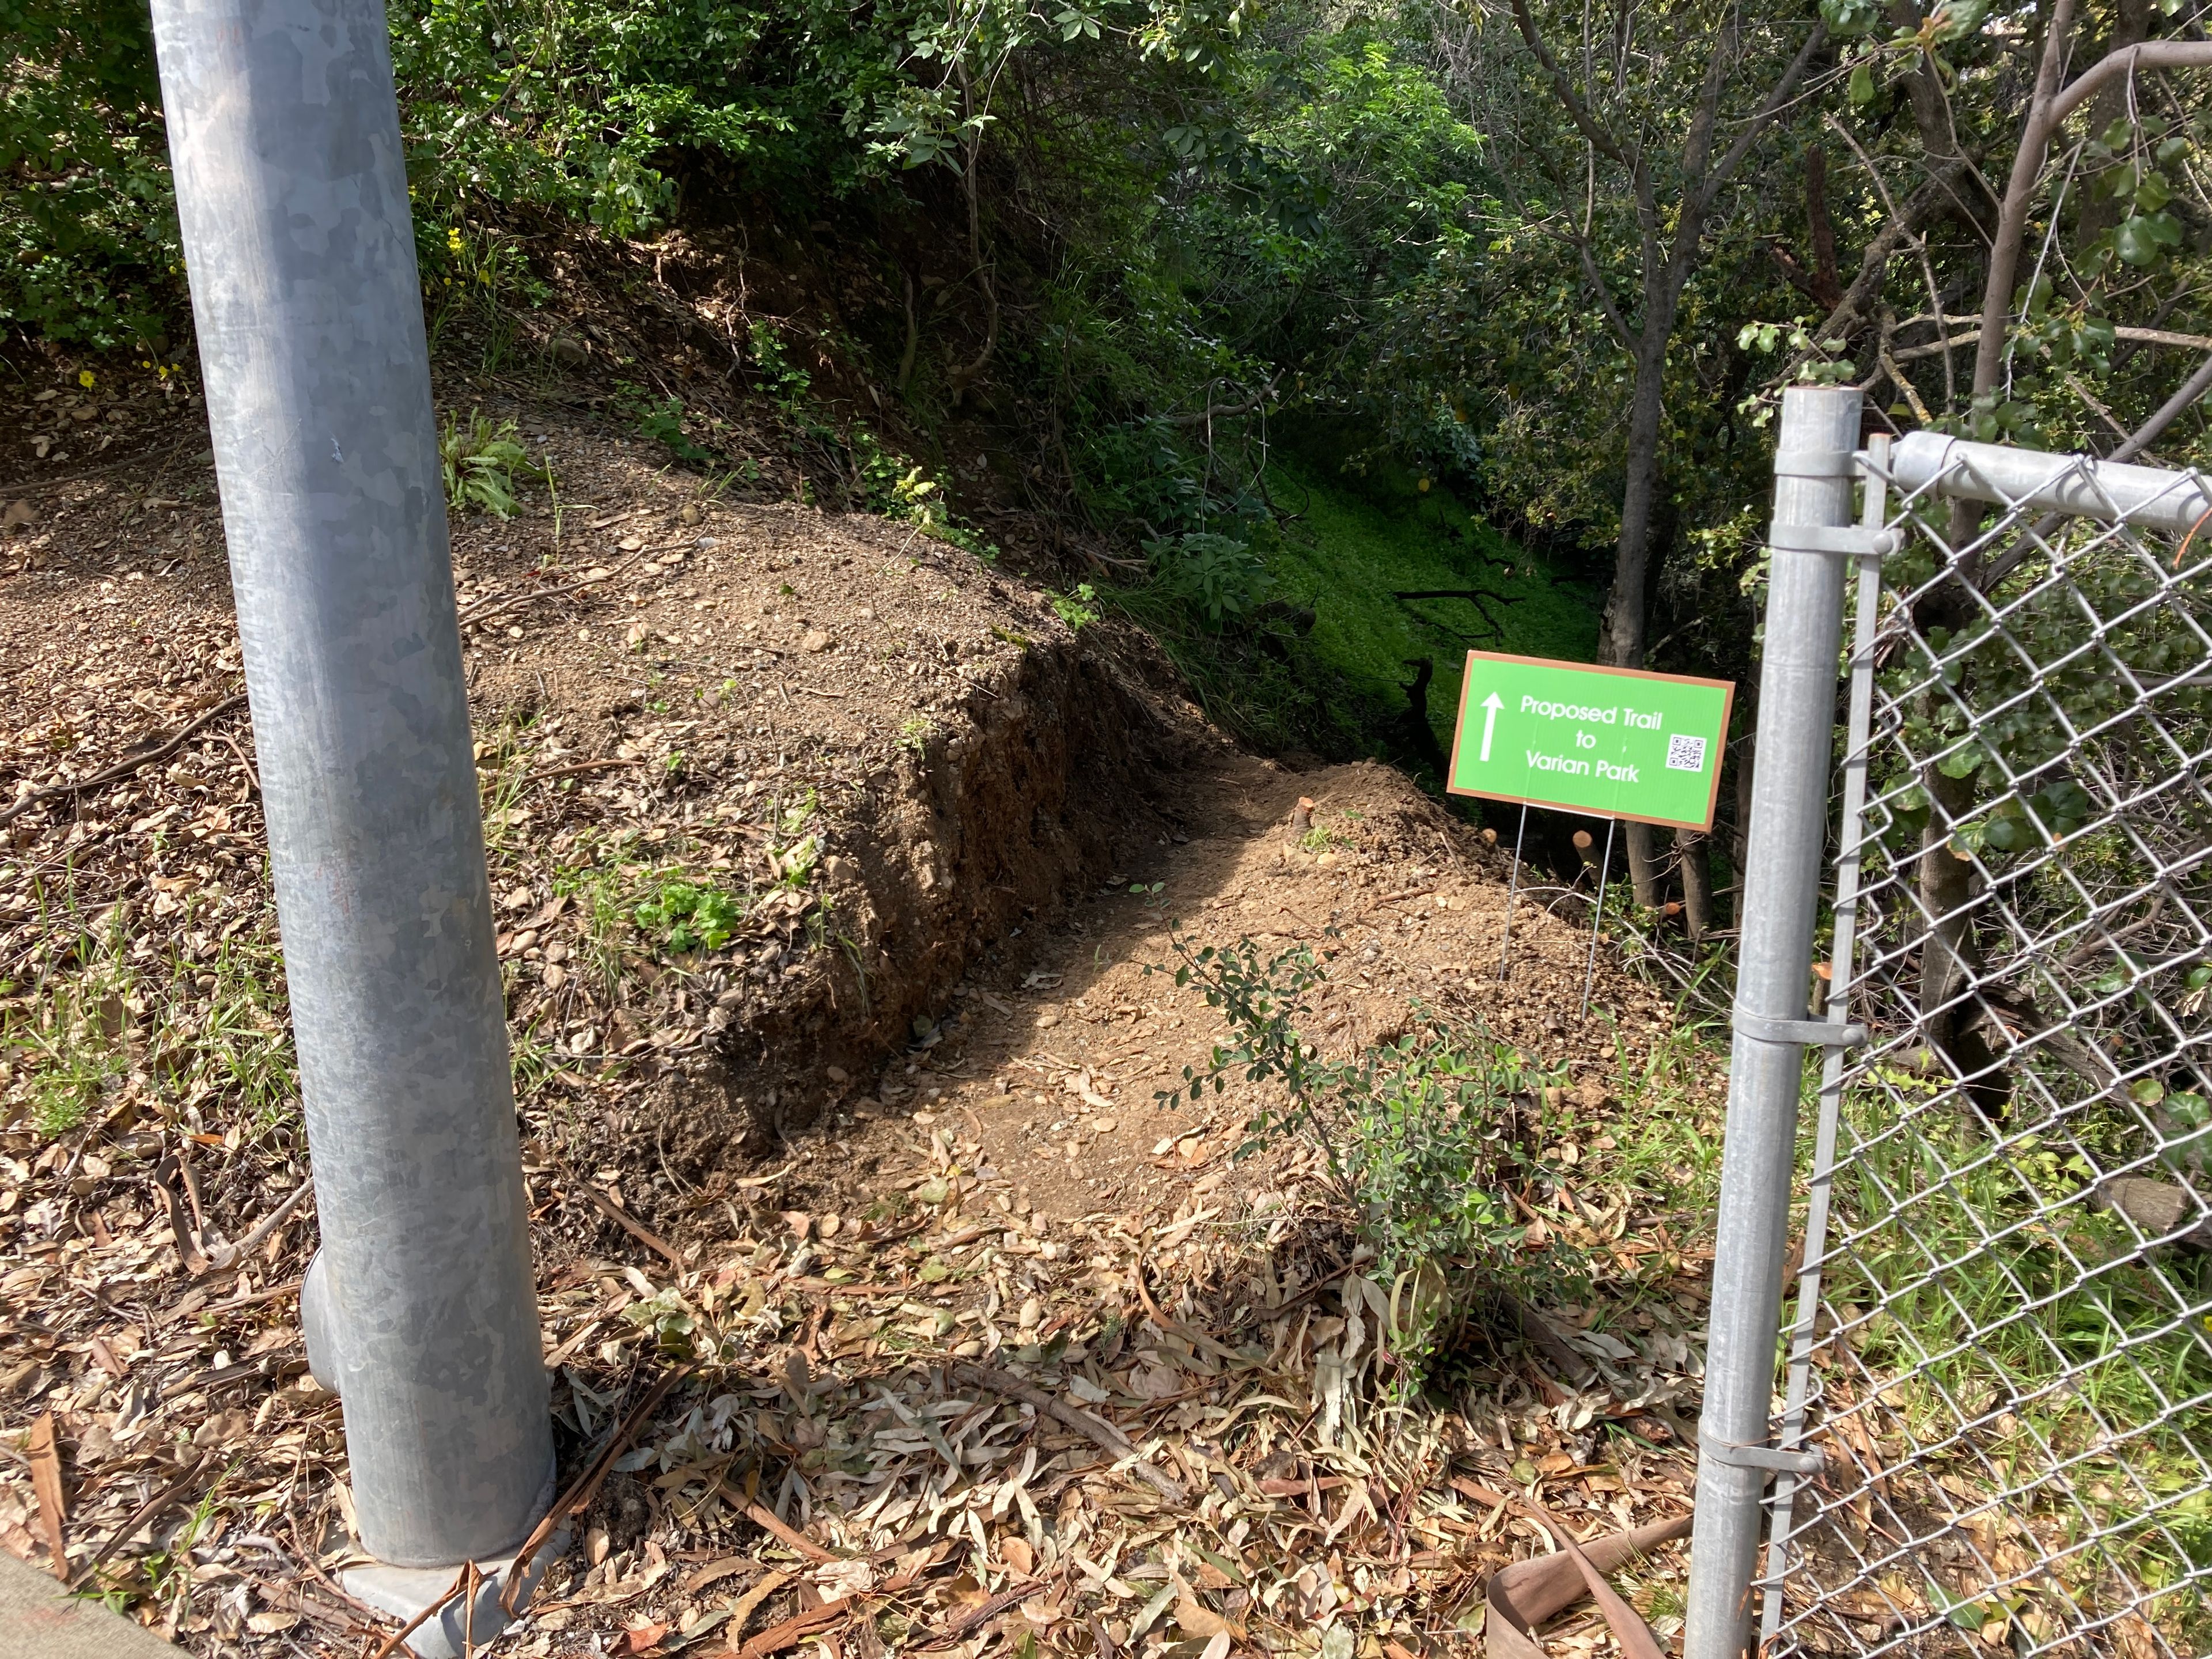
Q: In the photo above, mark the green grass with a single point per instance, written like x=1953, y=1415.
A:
x=1358, y=541
x=1984, y=1313
x=1349, y=544
x=103, y=1019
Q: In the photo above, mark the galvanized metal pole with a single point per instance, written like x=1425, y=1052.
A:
x=1597, y=915
x=284, y=136
x=2146, y=497
x=1788, y=834
x=1512, y=887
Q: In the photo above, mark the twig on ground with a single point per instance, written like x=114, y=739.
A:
x=252, y=777
x=765, y=1519
x=161, y=751
x=1094, y=1428
x=622, y=1218
x=472, y=615
x=146, y=1511
x=587, y=1484
x=398, y=1639
x=776, y=1638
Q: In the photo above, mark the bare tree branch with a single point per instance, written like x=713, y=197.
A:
x=1784, y=90
x=2019, y=193
x=2150, y=55
x=1895, y=238
x=1213, y=412
x=1591, y=128
x=1613, y=319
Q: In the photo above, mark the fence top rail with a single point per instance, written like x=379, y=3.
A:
x=2148, y=497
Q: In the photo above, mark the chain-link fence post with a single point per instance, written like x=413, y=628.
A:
x=1813, y=474
x=420, y=1308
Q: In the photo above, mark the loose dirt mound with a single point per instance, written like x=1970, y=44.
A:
x=831, y=865
x=862, y=753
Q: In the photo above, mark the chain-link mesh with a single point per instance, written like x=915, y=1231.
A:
x=2003, y=1339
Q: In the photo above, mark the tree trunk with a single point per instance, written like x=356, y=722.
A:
x=1739, y=848
x=1947, y=950
x=1695, y=848
x=1620, y=634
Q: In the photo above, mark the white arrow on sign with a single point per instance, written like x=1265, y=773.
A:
x=1490, y=706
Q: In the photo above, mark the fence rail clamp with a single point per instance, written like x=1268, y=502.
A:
x=1835, y=539
x=1812, y=1033
x=1760, y=1457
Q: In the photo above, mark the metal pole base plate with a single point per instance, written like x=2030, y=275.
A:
x=403, y=1592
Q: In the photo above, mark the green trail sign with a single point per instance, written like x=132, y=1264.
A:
x=1613, y=743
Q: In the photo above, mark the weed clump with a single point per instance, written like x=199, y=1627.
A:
x=483, y=463
x=684, y=916
x=1421, y=1138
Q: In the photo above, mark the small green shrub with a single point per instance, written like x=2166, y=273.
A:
x=1078, y=609
x=1422, y=1137
x=1218, y=577
x=663, y=422
x=482, y=462
x=682, y=916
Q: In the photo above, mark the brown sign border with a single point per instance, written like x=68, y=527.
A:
x=1459, y=724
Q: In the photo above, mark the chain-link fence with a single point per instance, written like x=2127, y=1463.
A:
x=1999, y=1350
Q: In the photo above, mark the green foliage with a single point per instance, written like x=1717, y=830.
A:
x=99, y=1025
x=2011, y=1317
x=1216, y=577
x=1078, y=609
x=88, y=246
x=483, y=461
x=1418, y=1135
x=2004, y=713
x=681, y=917
x=662, y=421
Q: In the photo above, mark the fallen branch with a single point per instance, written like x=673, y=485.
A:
x=252, y=1299
x=622, y=1218
x=224, y=1256
x=587, y=1484
x=978, y=1615
x=161, y=751
x=1213, y=412
x=463, y=1580
x=766, y=1520
x=139, y=1516
x=472, y=615
x=252, y=777
x=776, y=1638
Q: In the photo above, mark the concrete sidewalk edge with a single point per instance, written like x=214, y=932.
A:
x=39, y=1620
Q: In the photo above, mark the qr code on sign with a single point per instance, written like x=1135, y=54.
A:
x=1686, y=754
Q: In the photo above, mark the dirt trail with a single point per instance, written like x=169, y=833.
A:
x=1053, y=1071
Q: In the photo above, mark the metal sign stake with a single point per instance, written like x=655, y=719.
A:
x=1604, y=865
x=1512, y=886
